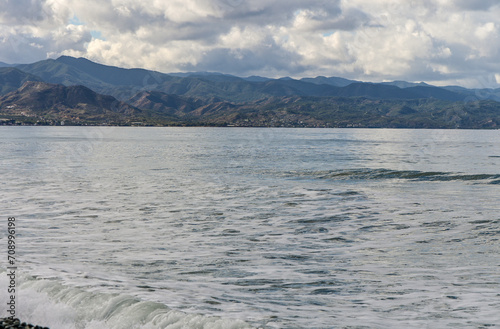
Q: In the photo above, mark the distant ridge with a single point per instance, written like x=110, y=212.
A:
x=333, y=81
x=255, y=78
x=405, y=84
x=111, y=74
x=124, y=83
x=80, y=91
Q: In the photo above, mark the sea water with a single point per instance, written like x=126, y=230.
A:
x=242, y=227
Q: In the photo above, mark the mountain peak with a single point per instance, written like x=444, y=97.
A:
x=66, y=59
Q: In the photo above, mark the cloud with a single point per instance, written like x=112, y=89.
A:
x=482, y=5
x=31, y=30
x=22, y=12
x=441, y=41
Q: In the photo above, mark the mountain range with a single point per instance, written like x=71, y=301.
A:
x=79, y=91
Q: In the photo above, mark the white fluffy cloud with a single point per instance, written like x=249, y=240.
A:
x=440, y=42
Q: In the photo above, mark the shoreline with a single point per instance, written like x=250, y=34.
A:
x=258, y=127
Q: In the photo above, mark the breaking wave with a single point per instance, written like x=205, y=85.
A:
x=383, y=174
x=50, y=303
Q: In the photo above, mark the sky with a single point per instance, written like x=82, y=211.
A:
x=441, y=42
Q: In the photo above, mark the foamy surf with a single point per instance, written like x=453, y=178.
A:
x=50, y=303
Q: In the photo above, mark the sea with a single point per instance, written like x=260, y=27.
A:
x=198, y=227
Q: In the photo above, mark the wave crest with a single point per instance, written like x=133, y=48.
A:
x=383, y=174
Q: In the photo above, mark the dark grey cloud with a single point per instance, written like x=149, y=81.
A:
x=22, y=11
x=482, y=5
x=268, y=61
x=346, y=20
x=276, y=12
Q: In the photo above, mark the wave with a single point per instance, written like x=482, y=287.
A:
x=381, y=174
x=50, y=303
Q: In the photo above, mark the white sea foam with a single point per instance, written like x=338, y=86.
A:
x=50, y=303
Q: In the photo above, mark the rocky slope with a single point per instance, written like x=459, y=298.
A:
x=75, y=104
